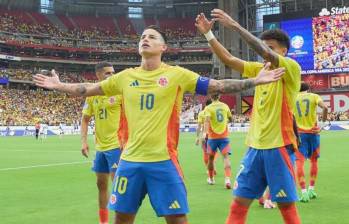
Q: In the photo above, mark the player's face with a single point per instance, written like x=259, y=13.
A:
x=151, y=43
x=276, y=47
x=105, y=73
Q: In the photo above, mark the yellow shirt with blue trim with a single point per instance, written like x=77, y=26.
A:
x=219, y=114
x=152, y=103
x=106, y=112
x=306, y=112
x=271, y=123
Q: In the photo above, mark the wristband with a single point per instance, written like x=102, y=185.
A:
x=209, y=35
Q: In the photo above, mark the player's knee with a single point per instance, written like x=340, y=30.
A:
x=176, y=219
x=123, y=218
x=102, y=184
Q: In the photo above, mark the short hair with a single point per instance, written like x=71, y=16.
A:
x=276, y=34
x=157, y=29
x=215, y=96
x=208, y=102
x=99, y=66
x=304, y=86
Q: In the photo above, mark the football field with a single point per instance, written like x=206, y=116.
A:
x=50, y=182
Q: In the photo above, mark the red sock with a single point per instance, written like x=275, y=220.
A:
x=103, y=215
x=313, y=171
x=227, y=171
x=238, y=213
x=290, y=214
x=300, y=172
x=211, y=173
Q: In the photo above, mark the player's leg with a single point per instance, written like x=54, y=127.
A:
x=212, y=147
x=176, y=219
x=166, y=190
x=124, y=218
x=103, y=196
x=128, y=191
x=225, y=149
x=314, y=165
x=281, y=181
x=204, y=151
x=301, y=157
x=250, y=183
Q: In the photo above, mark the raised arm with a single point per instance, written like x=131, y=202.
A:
x=255, y=43
x=76, y=89
x=234, y=85
x=204, y=26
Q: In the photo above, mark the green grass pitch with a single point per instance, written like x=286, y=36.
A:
x=64, y=193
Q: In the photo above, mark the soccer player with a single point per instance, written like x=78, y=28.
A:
x=218, y=116
x=152, y=96
x=271, y=138
x=37, y=129
x=106, y=113
x=306, y=118
x=201, y=136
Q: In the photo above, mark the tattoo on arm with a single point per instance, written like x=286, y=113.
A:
x=81, y=89
x=235, y=86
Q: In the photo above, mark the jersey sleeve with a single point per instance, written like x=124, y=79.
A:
x=292, y=74
x=251, y=69
x=113, y=85
x=87, y=109
x=192, y=82
x=318, y=99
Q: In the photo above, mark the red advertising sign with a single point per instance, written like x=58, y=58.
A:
x=316, y=81
x=339, y=80
x=336, y=102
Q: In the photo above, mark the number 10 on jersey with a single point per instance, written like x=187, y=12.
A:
x=147, y=101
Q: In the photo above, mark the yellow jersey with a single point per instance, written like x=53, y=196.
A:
x=201, y=117
x=106, y=111
x=272, y=114
x=305, y=112
x=152, y=102
x=219, y=115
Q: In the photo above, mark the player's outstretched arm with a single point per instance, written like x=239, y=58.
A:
x=234, y=86
x=255, y=43
x=77, y=89
x=204, y=26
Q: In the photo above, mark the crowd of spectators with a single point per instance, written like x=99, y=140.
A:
x=26, y=107
x=337, y=116
x=331, y=41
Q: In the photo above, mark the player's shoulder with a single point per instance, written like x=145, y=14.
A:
x=289, y=62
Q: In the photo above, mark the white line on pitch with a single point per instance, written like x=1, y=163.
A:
x=44, y=165
x=23, y=150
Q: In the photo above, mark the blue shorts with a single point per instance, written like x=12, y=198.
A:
x=270, y=167
x=310, y=145
x=222, y=144
x=106, y=161
x=162, y=181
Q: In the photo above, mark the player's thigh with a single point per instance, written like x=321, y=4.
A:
x=176, y=219
x=113, y=158
x=250, y=180
x=100, y=163
x=166, y=189
x=304, y=147
x=129, y=188
x=315, y=146
x=102, y=181
x=212, y=146
x=123, y=218
x=224, y=146
x=280, y=174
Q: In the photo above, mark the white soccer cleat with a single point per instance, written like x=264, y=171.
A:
x=210, y=181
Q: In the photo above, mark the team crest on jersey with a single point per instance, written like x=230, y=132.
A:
x=113, y=199
x=163, y=81
x=112, y=100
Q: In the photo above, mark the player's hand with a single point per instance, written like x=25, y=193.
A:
x=48, y=82
x=85, y=150
x=323, y=125
x=223, y=18
x=267, y=76
x=203, y=24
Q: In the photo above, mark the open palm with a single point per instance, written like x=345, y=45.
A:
x=267, y=76
x=203, y=24
x=48, y=82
